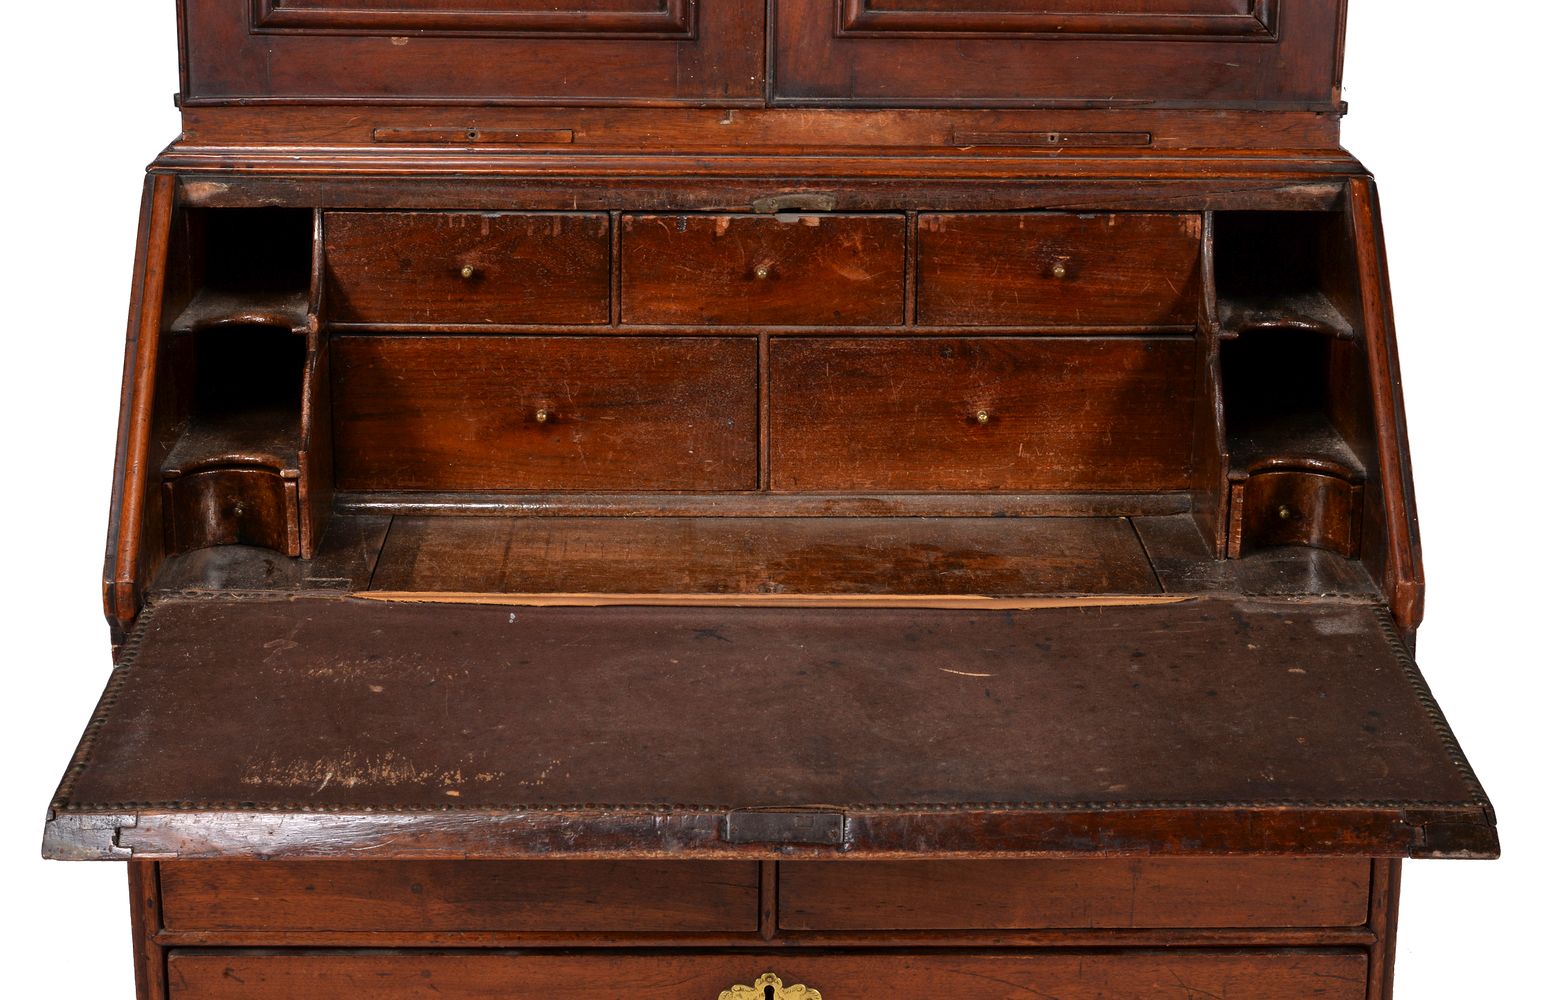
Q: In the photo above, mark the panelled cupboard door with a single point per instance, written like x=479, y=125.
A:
x=512, y=51
x=1214, y=53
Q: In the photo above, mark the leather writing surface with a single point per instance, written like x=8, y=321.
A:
x=336, y=704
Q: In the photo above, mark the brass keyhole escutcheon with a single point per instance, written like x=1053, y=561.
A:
x=467, y=271
x=769, y=987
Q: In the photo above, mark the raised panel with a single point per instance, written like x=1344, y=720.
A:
x=1063, y=53
x=1212, y=18
x=633, y=18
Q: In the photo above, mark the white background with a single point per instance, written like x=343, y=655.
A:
x=1450, y=108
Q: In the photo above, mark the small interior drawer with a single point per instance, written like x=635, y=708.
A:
x=1056, y=269
x=1295, y=507
x=467, y=267
x=408, y=897
x=1266, y=974
x=544, y=413
x=803, y=270
x=981, y=413
x=1090, y=894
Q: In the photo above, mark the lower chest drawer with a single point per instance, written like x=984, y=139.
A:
x=1091, y=894
x=432, y=897
x=1264, y=974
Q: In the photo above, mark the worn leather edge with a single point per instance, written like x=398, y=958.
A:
x=92, y=831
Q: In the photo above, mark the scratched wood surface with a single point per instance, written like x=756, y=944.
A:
x=982, y=413
x=1142, y=893
x=1139, y=975
x=432, y=896
x=805, y=270
x=227, y=707
x=808, y=555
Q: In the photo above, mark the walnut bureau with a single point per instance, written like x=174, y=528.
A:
x=818, y=498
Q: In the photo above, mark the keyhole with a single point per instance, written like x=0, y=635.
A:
x=771, y=993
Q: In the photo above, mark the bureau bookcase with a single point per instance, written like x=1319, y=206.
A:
x=817, y=498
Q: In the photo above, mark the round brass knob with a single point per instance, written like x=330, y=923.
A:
x=1286, y=512
x=1060, y=270
x=541, y=416
x=763, y=271
x=983, y=417
x=467, y=271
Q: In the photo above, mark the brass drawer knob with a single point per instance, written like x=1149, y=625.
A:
x=542, y=416
x=467, y=271
x=763, y=271
x=769, y=987
x=984, y=418
x=1060, y=270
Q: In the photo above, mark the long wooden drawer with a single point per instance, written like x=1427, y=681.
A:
x=981, y=413
x=449, y=896
x=1091, y=894
x=467, y=267
x=544, y=413
x=1118, y=975
x=1056, y=269
x=808, y=270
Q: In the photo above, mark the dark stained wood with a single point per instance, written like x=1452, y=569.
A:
x=505, y=51
x=633, y=129
x=545, y=413
x=1180, y=892
x=232, y=710
x=1055, y=269
x=135, y=536
x=232, y=507
x=845, y=408
x=981, y=414
x=413, y=267
x=1079, y=54
x=1295, y=508
x=810, y=555
x=1269, y=975
x=145, y=923
x=801, y=270
x=435, y=896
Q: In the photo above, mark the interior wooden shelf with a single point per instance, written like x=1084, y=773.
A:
x=1291, y=441
x=732, y=560
x=252, y=437
x=1309, y=311
x=214, y=308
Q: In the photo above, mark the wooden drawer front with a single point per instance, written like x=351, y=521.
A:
x=981, y=413
x=544, y=413
x=1295, y=508
x=450, y=896
x=1091, y=894
x=467, y=267
x=811, y=270
x=1050, y=269
x=1118, y=975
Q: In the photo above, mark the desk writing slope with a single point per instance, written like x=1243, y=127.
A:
x=323, y=727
